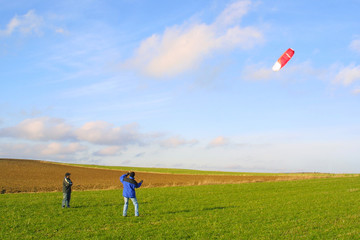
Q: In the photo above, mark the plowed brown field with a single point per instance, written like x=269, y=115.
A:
x=40, y=176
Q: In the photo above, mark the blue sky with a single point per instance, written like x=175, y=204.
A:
x=185, y=84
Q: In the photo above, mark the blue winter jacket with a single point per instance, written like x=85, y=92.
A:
x=129, y=186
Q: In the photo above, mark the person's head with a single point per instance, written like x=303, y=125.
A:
x=132, y=174
x=67, y=175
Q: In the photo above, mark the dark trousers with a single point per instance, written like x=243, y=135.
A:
x=66, y=199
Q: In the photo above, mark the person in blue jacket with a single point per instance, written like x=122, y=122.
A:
x=129, y=191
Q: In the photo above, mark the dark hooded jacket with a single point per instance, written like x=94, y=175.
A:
x=129, y=186
x=67, y=183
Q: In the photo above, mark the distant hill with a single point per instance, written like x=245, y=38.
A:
x=41, y=176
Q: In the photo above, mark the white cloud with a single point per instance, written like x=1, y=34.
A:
x=254, y=73
x=101, y=132
x=355, y=45
x=176, y=142
x=218, y=142
x=356, y=91
x=181, y=48
x=335, y=74
x=108, y=151
x=55, y=148
x=43, y=128
x=260, y=72
x=52, y=150
x=348, y=75
x=16, y=150
x=233, y=12
x=25, y=24
x=103, y=87
x=61, y=31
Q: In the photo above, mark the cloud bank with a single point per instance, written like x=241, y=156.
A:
x=42, y=129
x=97, y=132
x=47, y=136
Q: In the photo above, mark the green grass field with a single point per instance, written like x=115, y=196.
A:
x=307, y=209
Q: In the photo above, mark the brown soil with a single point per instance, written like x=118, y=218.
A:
x=40, y=176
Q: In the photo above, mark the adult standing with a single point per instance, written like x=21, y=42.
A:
x=128, y=180
x=67, y=183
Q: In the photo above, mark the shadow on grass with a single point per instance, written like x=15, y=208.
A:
x=181, y=211
x=217, y=208
x=203, y=209
x=92, y=206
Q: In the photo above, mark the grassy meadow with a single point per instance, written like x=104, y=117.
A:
x=327, y=208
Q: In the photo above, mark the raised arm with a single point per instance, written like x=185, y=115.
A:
x=139, y=184
x=123, y=176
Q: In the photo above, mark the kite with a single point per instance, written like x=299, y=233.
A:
x=281, y=62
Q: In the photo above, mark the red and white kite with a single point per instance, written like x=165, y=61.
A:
x=281, y=62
